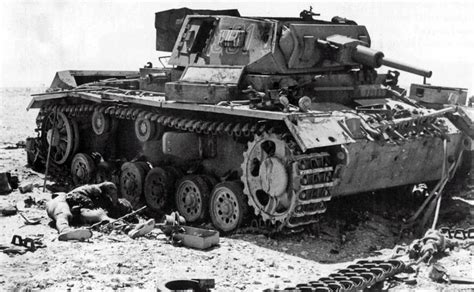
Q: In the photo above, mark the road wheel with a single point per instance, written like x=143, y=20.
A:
x=192, y=196
x=159, y=187
x=228, y=207
x=132, y=180
x=82, y=169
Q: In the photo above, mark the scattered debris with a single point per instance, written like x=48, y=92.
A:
x=423, y=249
x=5, y=187
x=12, y=250
x=19, y=144
x=199, y=285
x=29, y=201
x=142, y=229
x=26, y=187
x=105, y=224
x=30, y=221
x=439, y=274
x=9, y=210
x=197, y=238
x=172, y=224
x=22, y=245
x=13, y=180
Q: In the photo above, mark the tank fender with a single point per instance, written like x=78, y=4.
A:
x=463, y=119
x=58, y=97
x=313, y=131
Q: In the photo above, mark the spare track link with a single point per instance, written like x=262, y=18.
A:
x=355, y=277
x=312, y=180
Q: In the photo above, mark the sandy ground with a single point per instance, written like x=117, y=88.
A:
x=250, y=262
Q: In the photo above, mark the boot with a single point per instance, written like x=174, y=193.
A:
x=80, y=234
x=142, y=229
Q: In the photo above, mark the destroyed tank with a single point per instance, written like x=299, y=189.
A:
x=251, y=118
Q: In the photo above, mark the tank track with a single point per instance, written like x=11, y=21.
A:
x=312, y=179
x=312, y=174
x=245, y=129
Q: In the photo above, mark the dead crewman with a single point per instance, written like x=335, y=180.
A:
x=86, y=204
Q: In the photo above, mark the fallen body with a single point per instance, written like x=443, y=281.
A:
x=89, y=204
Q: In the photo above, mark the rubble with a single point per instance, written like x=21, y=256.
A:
x=142, y=229
x=5, y=187
x=26, y=187
x=21, y=245
x=9, y=210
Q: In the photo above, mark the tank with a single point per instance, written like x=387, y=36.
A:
x=248, y=120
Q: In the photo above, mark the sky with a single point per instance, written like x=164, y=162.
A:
x=40, y=38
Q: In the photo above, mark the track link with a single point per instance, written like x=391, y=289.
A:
x=200, y=126
x=312, y=181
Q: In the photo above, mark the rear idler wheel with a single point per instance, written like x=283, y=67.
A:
x=192, y=196
x=227, y=206
x=159, y=187
x=62, y=135
x=132, y=181
x=82, y=169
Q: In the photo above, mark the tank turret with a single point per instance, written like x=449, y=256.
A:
x=219, y=56
x=278, y=45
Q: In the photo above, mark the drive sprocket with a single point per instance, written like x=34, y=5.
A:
x=284, y=188
x=266, y=174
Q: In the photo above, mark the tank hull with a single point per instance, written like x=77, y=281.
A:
x=223, y=143
x=374, y=166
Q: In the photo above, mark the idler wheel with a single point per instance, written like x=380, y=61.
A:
x=132, y=180
x=192, y=196
x=60, y=133
x=227, y=206
x=159, y=187
x=82, y=169
x=100, y=123
x=145, y=130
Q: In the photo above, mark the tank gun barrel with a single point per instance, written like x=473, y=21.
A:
x=375, y=59
x=405, y=67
